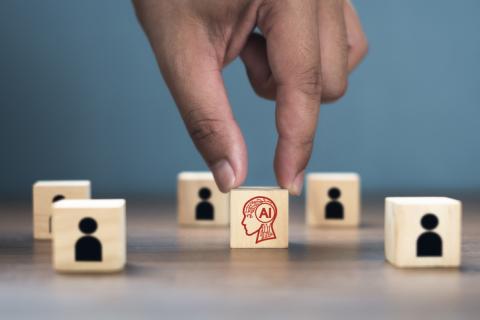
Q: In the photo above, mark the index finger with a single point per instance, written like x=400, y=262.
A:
x=291, y=30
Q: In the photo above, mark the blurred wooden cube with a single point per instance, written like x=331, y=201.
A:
x=333, y=199
x=89, y=235
x=199, y=201
x=423, y=232
x=259, y=218
x=45, y=193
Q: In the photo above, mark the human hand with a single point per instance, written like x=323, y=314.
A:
x=302, y=58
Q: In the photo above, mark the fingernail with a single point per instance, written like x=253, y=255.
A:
x=224, y=175
x=297, y=184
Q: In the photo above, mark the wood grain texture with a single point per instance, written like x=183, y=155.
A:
x=189, y=185
x=403, y=228
x=192, y=273
x=259, y=218
x=44, y=193
x=318, y=199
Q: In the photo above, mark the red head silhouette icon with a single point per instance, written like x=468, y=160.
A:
x=259, y=214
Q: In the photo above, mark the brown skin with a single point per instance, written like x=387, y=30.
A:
x=302, y=58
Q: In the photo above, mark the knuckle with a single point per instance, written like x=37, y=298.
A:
x=301, y=138
x=264, y=88
x=364, y=46
x=305, y=142
x=359, y=45
x=334, y=89
x=268, y=12
x=264, y=91
x=308, y=81
x=202, y=126
x=300, y=141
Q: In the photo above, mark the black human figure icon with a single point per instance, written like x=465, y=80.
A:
x=429, y=244
x=334, y=209
x=58, y=197
x=88, y=248
x=204, y=210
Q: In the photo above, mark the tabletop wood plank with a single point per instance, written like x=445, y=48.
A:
x=187, y=272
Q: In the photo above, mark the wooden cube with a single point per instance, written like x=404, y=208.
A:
x=259, y=218
x=333, y=199
x=423, y=232
x=45, y=193
x=199, y=201
x=89, y=235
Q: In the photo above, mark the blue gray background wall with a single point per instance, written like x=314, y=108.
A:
x=81, y=97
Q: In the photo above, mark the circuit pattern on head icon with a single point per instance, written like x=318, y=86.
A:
x=259, y=214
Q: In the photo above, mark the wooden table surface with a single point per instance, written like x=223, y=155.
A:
x=192, y=273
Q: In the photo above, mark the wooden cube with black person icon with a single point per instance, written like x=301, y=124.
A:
x=45, y=194
x=199, y=201
x=333, y=199
x=89, y=235
x=423, y=231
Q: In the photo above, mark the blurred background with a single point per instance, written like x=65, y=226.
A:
x=81, y=97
